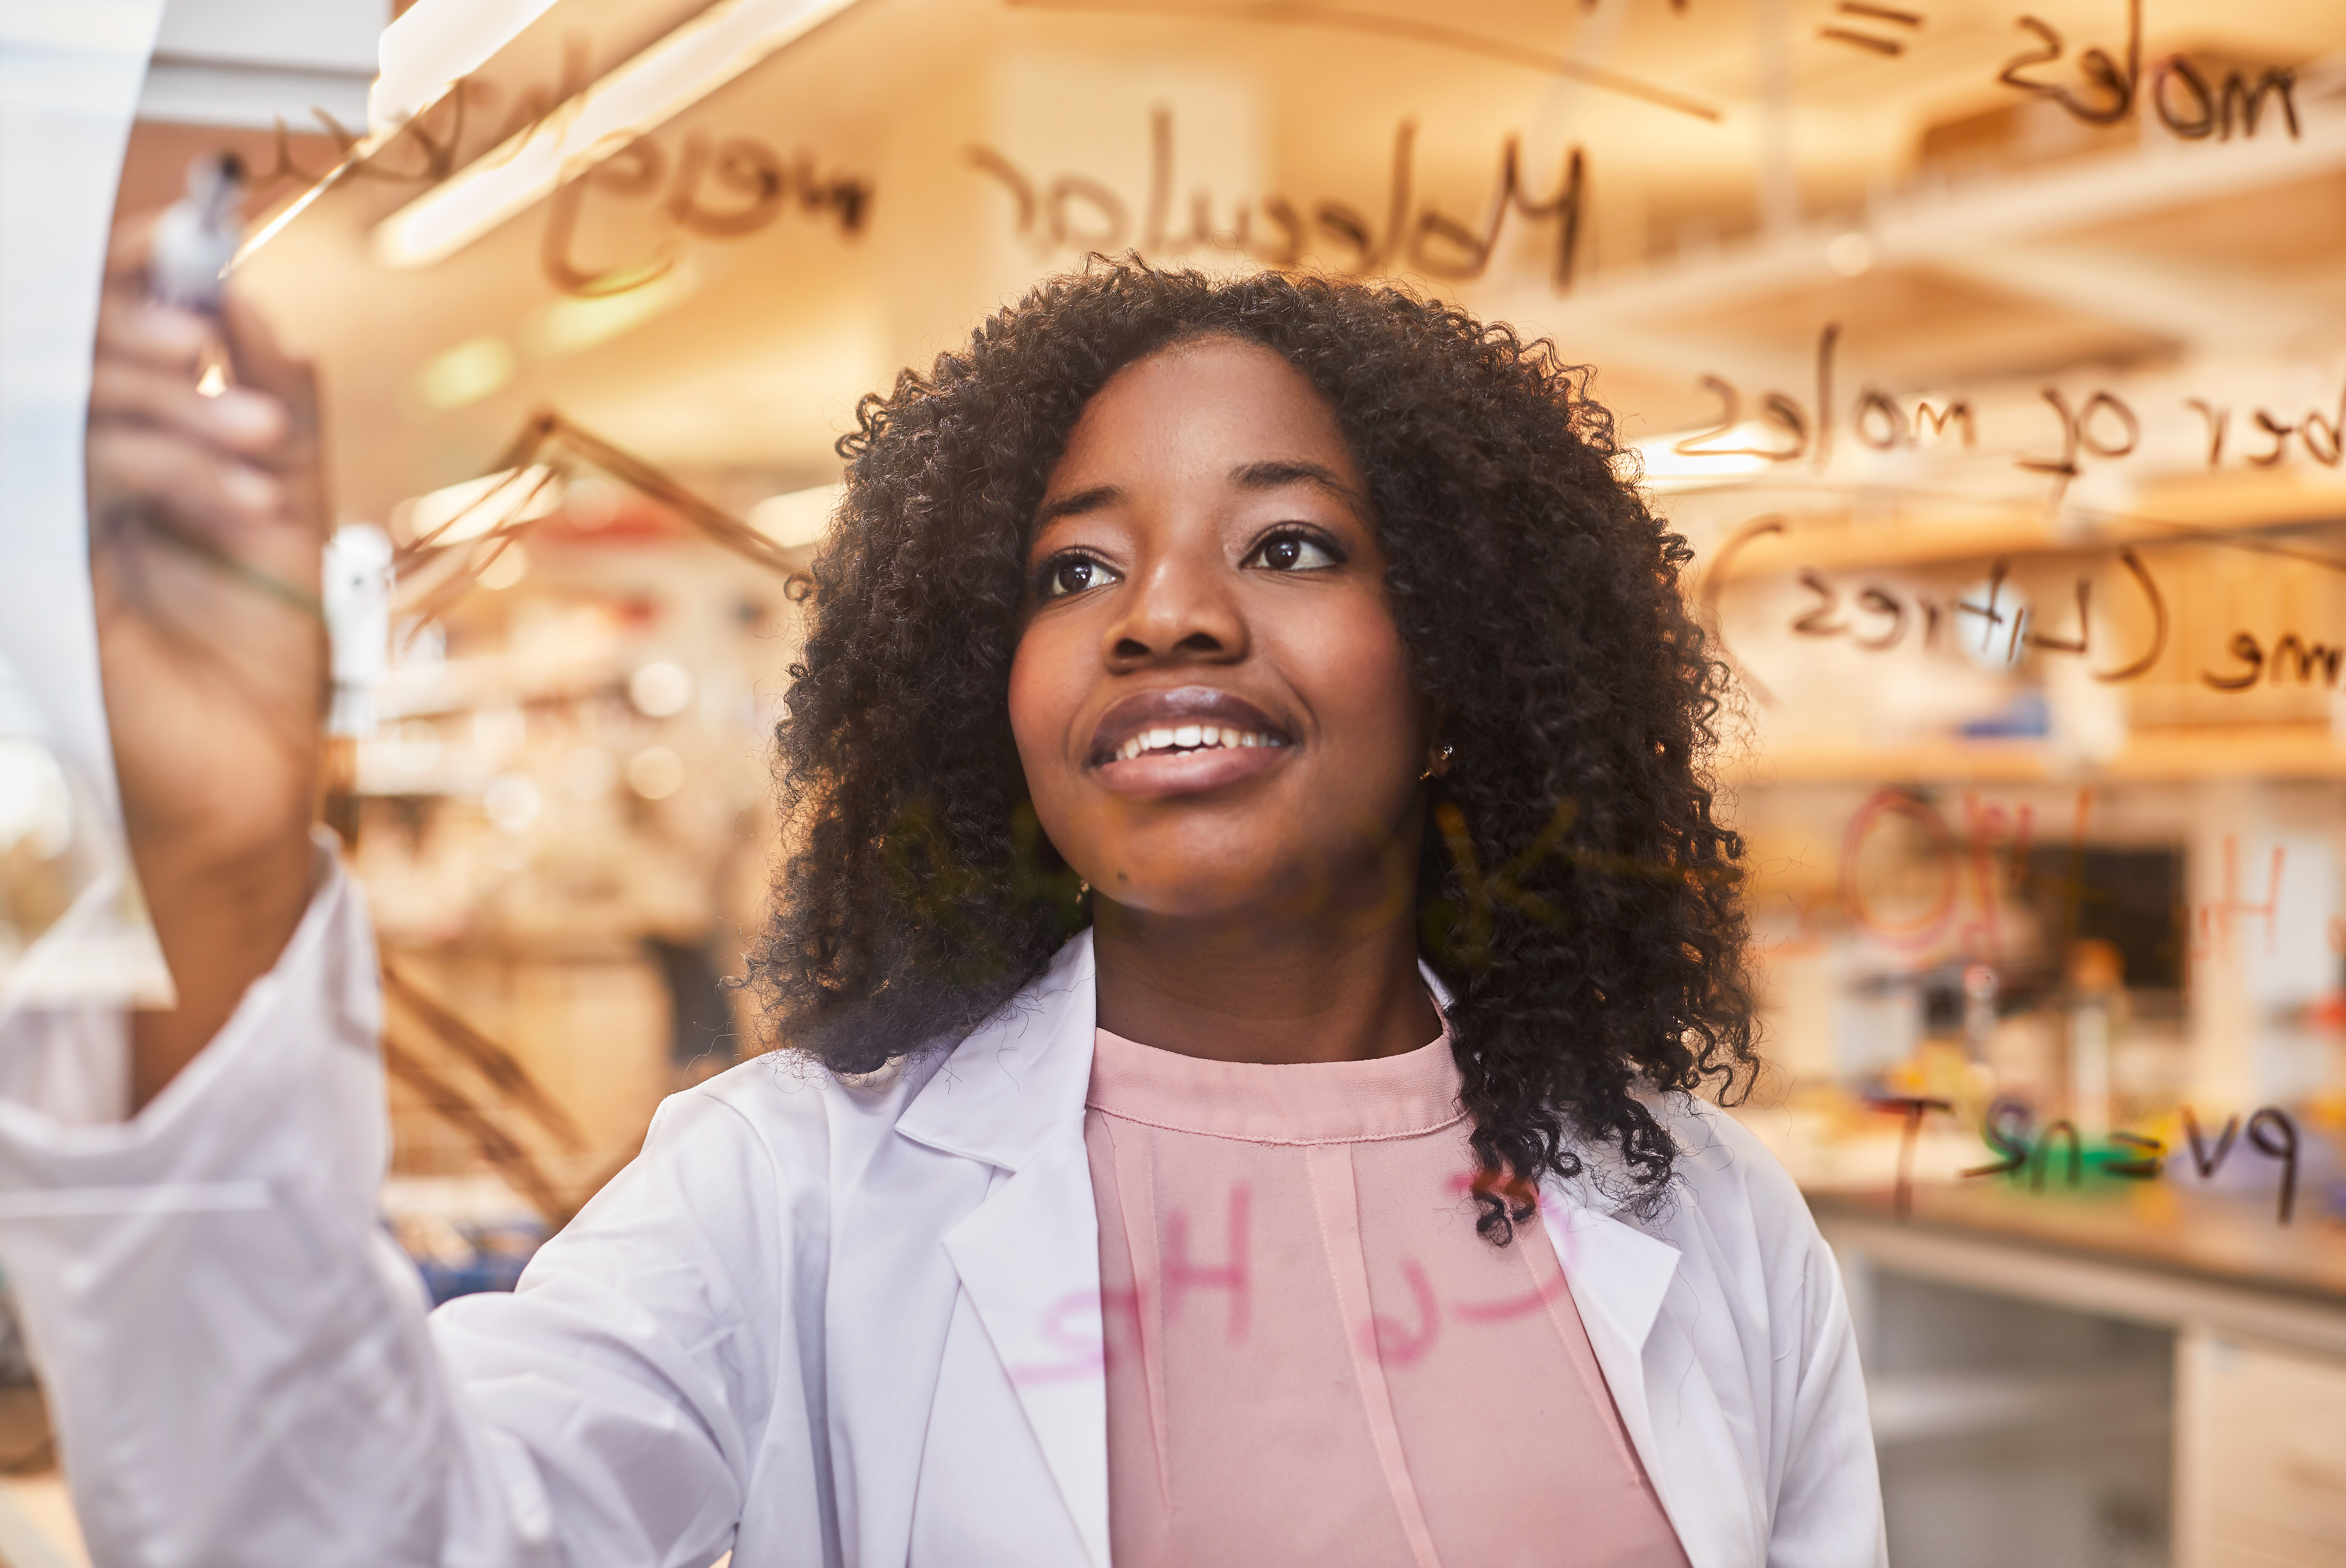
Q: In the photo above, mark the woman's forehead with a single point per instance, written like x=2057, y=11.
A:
x=1219, y=406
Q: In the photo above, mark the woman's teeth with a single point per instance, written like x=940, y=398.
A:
x=1191, y=737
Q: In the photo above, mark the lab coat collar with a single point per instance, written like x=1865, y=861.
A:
x=1018, y=1080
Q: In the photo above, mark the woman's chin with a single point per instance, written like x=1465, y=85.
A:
x=1232, y=887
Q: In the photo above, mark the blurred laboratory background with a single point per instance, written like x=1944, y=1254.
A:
x=1994, y=363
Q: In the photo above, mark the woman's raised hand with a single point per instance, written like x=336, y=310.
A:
x=208, y=515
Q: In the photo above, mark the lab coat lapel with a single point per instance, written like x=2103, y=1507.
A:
x=1619, y=1277
x=1012, y=1094
x=1029, y=1260
x=890, y=1299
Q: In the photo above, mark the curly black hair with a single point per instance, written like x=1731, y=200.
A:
x=1577, y=894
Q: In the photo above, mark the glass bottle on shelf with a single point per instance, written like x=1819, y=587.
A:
x=2096, y=985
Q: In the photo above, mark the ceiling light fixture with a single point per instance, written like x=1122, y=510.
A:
x=1661, y=467
x=658, y=84
x=427, y=49
x=799, y=517
x=435, y=43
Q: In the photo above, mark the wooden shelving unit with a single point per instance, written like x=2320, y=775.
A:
x=2228, y=507
x=2151, y=756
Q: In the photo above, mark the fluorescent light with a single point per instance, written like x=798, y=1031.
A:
x=663, y=81
x=801, y=517
x=434, y=42
x=1662, y=467
x=426, y=50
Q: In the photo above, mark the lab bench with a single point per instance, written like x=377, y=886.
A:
x=2121, y=1380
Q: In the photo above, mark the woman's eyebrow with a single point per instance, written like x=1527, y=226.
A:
x=1272, y=475
x=1076, y=505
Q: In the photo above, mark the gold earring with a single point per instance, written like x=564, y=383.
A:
x=1438, y=765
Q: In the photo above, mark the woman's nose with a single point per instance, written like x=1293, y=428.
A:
x=1180, y=610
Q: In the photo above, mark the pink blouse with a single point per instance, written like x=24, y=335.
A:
x=1314, y=1357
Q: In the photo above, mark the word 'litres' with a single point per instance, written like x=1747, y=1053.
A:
x=1076, y=211
x=1876, y=618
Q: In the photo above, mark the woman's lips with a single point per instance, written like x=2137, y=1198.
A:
x=1184, y=740
x=1158, y=773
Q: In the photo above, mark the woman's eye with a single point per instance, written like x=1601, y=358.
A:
x=1293, y=552
x=1073, y=576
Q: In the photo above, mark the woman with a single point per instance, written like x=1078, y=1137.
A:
x=1254, y=922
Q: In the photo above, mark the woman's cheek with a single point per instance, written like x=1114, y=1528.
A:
x=1030, y=698
x=1047, y=690
x=1360, y=674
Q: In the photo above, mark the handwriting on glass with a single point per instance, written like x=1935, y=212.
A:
x=2008, y=1130
x=2099, y=426
x=1879, y=615
x=1086, y=1329
x=753, y=185
x=724, y=189
x=1927, y=912
x=2179, y=91
x=1079, y=212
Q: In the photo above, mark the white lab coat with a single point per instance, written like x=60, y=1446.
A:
x=814, y=1323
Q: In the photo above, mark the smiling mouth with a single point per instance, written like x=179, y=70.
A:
x=1154, y=727
x=1174, y=739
